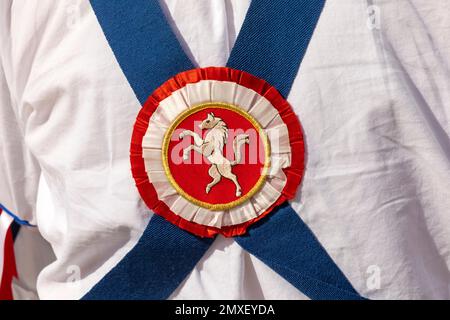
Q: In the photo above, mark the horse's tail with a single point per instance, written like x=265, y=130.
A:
x=238, y=141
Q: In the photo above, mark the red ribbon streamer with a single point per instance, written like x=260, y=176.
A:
x=9, y=265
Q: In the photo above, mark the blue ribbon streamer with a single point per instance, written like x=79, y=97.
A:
x=15, y=217
x=271, y=45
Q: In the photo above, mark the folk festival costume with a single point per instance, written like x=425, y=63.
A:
x=222, y=149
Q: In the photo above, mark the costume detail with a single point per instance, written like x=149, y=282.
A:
x=7, y=260
x=216, y=149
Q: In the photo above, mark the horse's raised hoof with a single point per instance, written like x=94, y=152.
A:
x=181, y=136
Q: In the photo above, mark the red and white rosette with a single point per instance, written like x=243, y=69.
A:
x=216, y=149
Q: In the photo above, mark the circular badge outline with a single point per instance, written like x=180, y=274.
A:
x=295, y=172
x=219, y=105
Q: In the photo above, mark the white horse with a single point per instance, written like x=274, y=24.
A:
x=212, y=148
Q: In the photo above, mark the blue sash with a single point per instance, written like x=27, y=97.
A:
x=271, y=44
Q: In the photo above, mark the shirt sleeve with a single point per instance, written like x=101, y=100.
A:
x=19, y=180
x=19, y=170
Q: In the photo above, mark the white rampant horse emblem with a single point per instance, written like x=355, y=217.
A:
x=212, y=148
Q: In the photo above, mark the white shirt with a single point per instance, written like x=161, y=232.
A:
x=373, y=96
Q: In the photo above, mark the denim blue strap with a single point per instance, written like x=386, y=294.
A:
x=143, y=43
x=274, y=38
x=286, y=244
x=271, y=45
x=149, y=54
x=154, y=268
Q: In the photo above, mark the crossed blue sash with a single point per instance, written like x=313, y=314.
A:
x=271, y=45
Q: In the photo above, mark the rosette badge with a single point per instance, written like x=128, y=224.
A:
x=216, y=149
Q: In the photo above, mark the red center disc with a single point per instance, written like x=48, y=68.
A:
x=193, y=173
